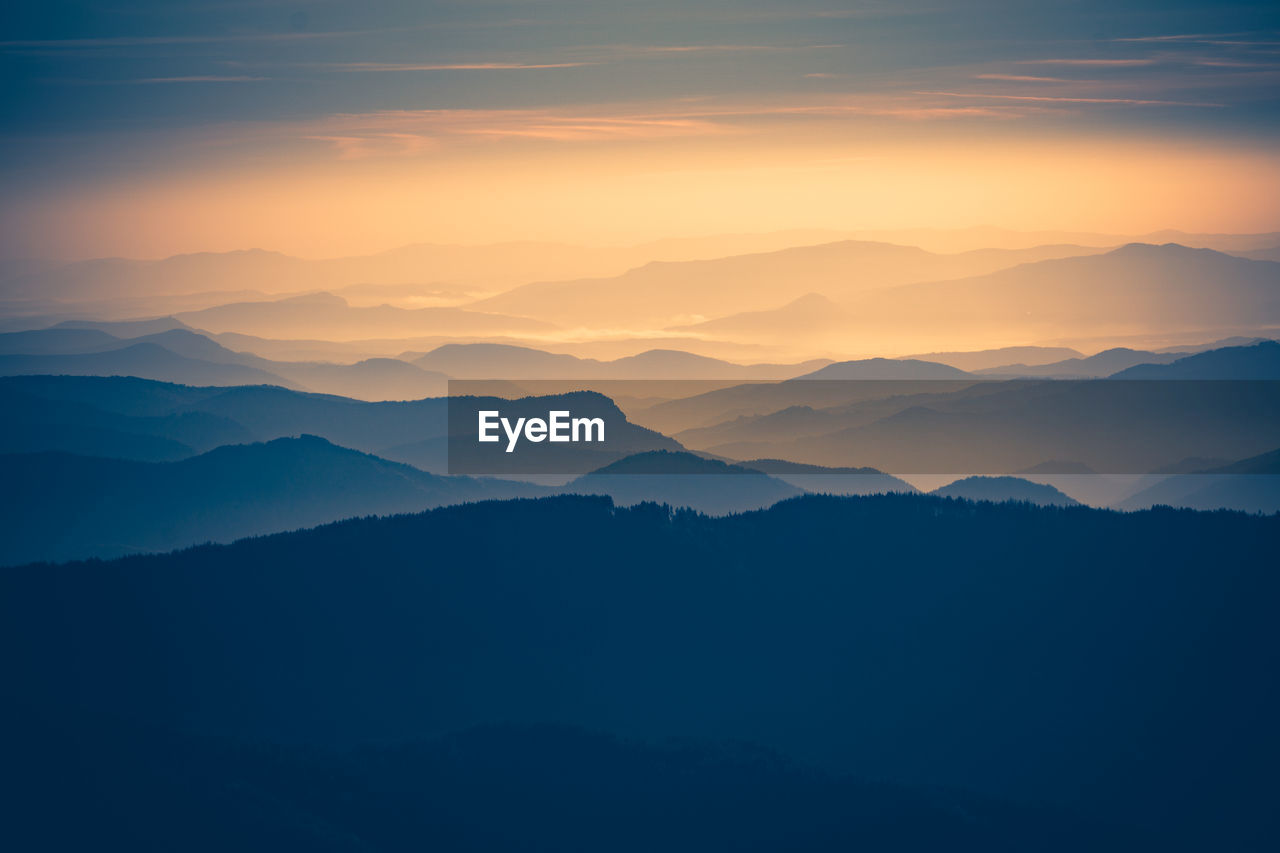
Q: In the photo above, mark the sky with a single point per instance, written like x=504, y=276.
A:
x=143, y=129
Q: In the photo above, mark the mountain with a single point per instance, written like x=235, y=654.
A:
x=91, y=414
x=143, y=360
x=423, y=266
x=683, y=480
x=830, y=481
x=886, y=368
x=66, y=507
x=486, y=789
x=1260, y=361
x=979, y=360
x=1000, y=489
x=991, y=427
x=1134, y=289
x=1106, y=662
x=370, y=379
x=1095, y=366
x=811, y=314
x=1271, y=254
x=1249, y=485
x=325, y=315
x=660, y=295
x=504, y=361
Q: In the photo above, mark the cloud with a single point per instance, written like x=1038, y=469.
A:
x=199, y=78
x=445, y=66
x=1100, y=63
x=1023, y=78
x=148, y=41
x=1070, y=100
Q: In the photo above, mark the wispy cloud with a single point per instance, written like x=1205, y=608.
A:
x=1023, y=78
x=1070, y=100
x=148, y=41
x=441, y=66
x=1098, y=63
x=198, y=78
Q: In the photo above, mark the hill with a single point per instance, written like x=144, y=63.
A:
x=1104, y=661
x=683, y=480
x=660, y=295
x=1260, y=361
x=65, y=507
x=1134, y=289
x=1001, y=489
x=1098, y=365
x=324, y=315
x=886, y=368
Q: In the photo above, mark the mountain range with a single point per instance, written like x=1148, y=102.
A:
x=66, y=507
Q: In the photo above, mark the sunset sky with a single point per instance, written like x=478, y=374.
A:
x=144, y=128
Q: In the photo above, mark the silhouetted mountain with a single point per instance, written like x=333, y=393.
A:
x=55, y=341
x=1109, y=662
x=326, y=315
x=487, y=789
x=886, y=368
x=1110, y=426
x=1095, y=366
x=1055, y=466
x=71, y=413
x=64, y=507
x=979, y=360
x=811, y=314
x=1234, y=341
x=489, y=266
x=1133, y=289
x=1001, y=489
x=1250, y=485
x=143, y=360
x=659, y=295
x=830, y=481
x=1258, y=361
x=503, y=361
x=683, y=480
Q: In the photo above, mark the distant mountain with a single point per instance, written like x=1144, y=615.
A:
x=1250, y=485
x=1234, y=341
x=830, y=481
x=995, y=427
x=1095, y=366
x=887, y=368
x=1260, y=361
x=1136, y=288
x=91, y=414
x=1271, y=254
x=979, y=360
x=810, y=314
x=684, y=480
x=325, y=315
x=503, y=361
x=1001, y=489
x=144, y=360
x=661, y=295
x=64, y=507
x=371, y=379
x=426, y=265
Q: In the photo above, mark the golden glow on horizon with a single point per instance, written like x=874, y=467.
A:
x=625, y=193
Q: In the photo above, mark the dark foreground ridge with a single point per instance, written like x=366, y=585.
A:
x=1117, y=666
